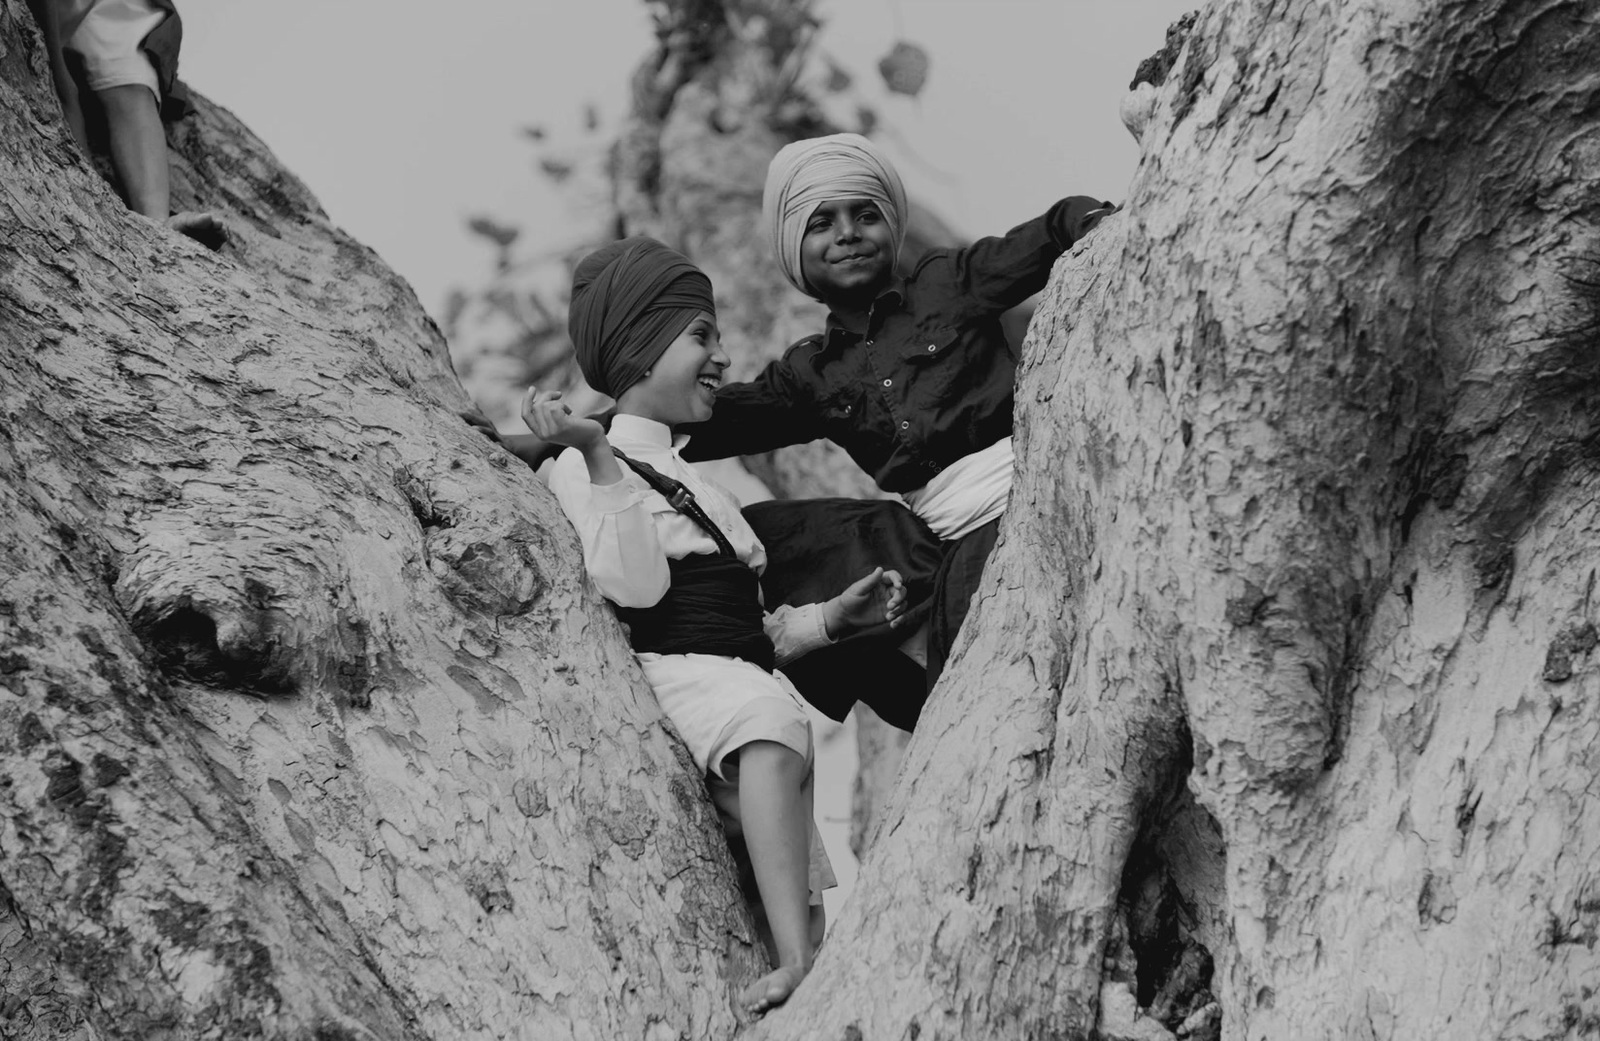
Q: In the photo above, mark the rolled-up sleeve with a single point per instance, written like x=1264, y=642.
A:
x=795, y=631
x=615, y=524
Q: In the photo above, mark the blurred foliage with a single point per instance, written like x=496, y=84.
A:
x=905, y=68
x=510, y=331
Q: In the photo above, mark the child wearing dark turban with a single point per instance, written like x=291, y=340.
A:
x=671, y=549
x=912, y=377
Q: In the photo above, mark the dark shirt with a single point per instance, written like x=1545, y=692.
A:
x=931, y=379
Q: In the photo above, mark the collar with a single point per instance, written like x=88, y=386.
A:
x=892, y=296
x=628, y=427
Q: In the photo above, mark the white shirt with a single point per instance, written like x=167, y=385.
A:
x=629, y=531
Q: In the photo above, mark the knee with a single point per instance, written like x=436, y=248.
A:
x=772, y=758
x=128, y=101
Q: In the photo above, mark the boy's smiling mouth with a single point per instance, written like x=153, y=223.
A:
x=709, y=380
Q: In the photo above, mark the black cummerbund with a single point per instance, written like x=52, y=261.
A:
x=712, y=607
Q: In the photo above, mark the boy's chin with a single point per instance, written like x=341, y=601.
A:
x=863, y=285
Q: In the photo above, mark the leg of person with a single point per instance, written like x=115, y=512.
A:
x=777, y=832
x=747, y=729
x=49, y=19
x=138, y=148
x=817, y=921
x=725, y=797
x=956, y=581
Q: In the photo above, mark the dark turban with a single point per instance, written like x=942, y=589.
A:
x=630, y=300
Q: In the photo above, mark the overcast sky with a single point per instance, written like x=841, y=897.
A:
x=405, y=123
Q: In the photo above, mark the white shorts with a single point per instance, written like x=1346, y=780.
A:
x=107, y=34
x=720, y=704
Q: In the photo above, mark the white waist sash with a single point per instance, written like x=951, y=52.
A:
x=967, y=494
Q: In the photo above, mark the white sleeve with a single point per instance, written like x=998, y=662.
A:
x=618, y=532
x=795, y=631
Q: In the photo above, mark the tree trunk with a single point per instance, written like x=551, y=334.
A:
x=1292, y=610
x=310, y=724
x=1278, y=689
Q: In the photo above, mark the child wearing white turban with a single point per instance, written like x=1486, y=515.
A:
x=913, y=377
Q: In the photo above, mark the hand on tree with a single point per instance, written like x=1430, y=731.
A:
x=480, y=422
x=879, y=597
x=553, y=421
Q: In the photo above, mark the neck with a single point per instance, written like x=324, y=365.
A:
x=854, y=310
x=629, y=406
x=852, y=313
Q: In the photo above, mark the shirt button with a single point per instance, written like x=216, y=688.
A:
x=904, y=423
x=932, y=347
x=888, y=383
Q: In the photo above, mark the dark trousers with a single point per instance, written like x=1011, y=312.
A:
x=817, y=547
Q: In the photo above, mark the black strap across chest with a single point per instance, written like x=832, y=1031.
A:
x=713, y=604
x=680, y=498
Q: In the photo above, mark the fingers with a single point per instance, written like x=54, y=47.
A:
x=895, y=604
x=864, y=586
x=544, y=412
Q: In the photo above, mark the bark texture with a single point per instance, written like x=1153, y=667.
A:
x=310, y=726
x=1280, y=688
x=1293, y=606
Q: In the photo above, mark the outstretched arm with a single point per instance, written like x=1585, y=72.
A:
x=774, y=410
x=796, y=631
x=868, y=601
x=999, y=272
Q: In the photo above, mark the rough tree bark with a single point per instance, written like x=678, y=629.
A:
x=1293, y=606
x=310, y=726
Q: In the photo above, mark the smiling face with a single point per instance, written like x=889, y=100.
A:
x=681, y=386
x=847, y=252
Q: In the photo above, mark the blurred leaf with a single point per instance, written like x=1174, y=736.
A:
x=591, y=117
x=556, y=169
x=502, y=235
x=868, y=120
x=533, y=133
x=454, y=306
x=905, y=68
x=838, y=79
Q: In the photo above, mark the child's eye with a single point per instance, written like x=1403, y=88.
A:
x=815, y=226
x=868, y=215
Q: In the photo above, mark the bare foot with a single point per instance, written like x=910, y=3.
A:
x=773, y=989
x=204, y=228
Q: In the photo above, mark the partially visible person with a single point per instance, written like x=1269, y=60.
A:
x=128, y=53
x=671, y=550
x=912, y=376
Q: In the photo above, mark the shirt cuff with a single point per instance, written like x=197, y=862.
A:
x=615, y=497
x=811, y=630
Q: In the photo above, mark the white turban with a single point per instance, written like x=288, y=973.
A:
x=805, y=174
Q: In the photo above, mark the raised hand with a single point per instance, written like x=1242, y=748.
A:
x=878, y=597
x=549, y=418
